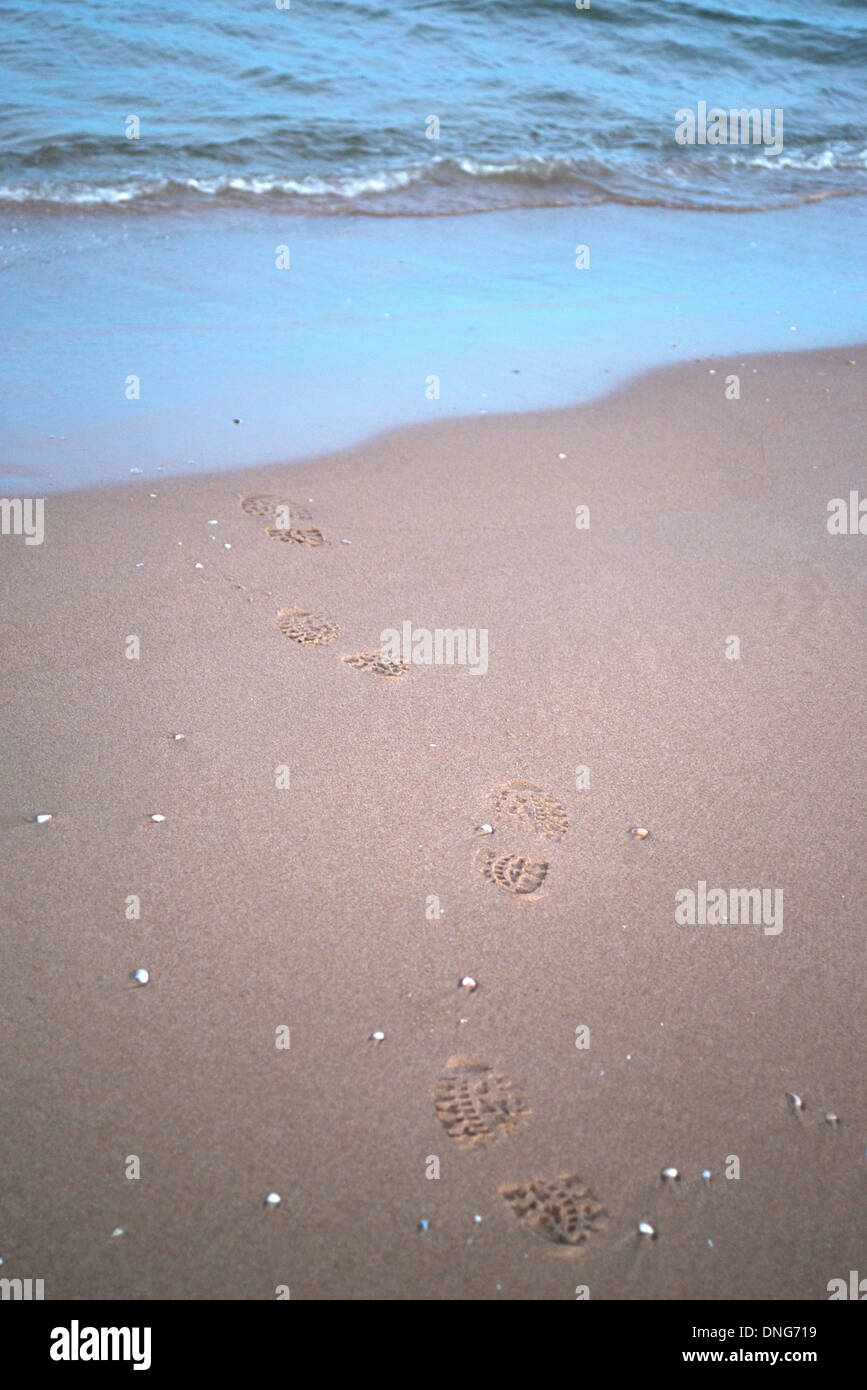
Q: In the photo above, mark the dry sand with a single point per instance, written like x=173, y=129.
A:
x=306, y=906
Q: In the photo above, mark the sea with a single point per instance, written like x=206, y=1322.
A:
x=324, y=220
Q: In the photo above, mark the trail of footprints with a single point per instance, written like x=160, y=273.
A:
x=298, y=624
x=527, y=807
x=476, y=1106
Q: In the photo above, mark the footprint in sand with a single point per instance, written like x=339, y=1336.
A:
x=563, y=1210
x=264, y=504
x=310, y=629
x=523, y=803
x=474, y=1104
x=377, y=664
x=514, y=873
x=297, y=535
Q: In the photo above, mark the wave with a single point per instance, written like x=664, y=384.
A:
x=727, y=180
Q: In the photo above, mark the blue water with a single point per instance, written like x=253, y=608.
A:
x=306, y=128
x=325, y=106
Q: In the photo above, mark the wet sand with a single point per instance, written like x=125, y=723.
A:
x=309, y=907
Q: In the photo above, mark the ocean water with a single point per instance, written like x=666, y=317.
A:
x=408, y=257
x=326, y=107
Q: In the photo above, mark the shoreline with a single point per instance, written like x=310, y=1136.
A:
x=408, y=434
x=380, y=324
x=319, y=813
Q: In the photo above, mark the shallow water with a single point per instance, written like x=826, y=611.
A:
x=349, y=340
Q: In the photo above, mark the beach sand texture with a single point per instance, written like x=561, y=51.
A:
x=308, y=907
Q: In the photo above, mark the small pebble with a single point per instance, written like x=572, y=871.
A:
x=561, y=456
x=237, y=420
x=639, y=832
x=831, y=1118
x=151, y=494
x=705, y=1175
x=158, y=819
x=118, y=1231
x=212, y=523
x=198, y=565
x=468, y=983
x=377, y=1037
x=476, y=1218
x=346, y=542
x=41, y=818
x=177, y=737
x=424, y=1224
x=645, y=1229
x=227, y=545
x=670, y=1175
x=141, y=977
x=850, y=363
x=794, y=1100
x=273, y=1199
x=135, y=470
x=484, y=830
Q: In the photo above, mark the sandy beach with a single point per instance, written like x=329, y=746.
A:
x=319, y=867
